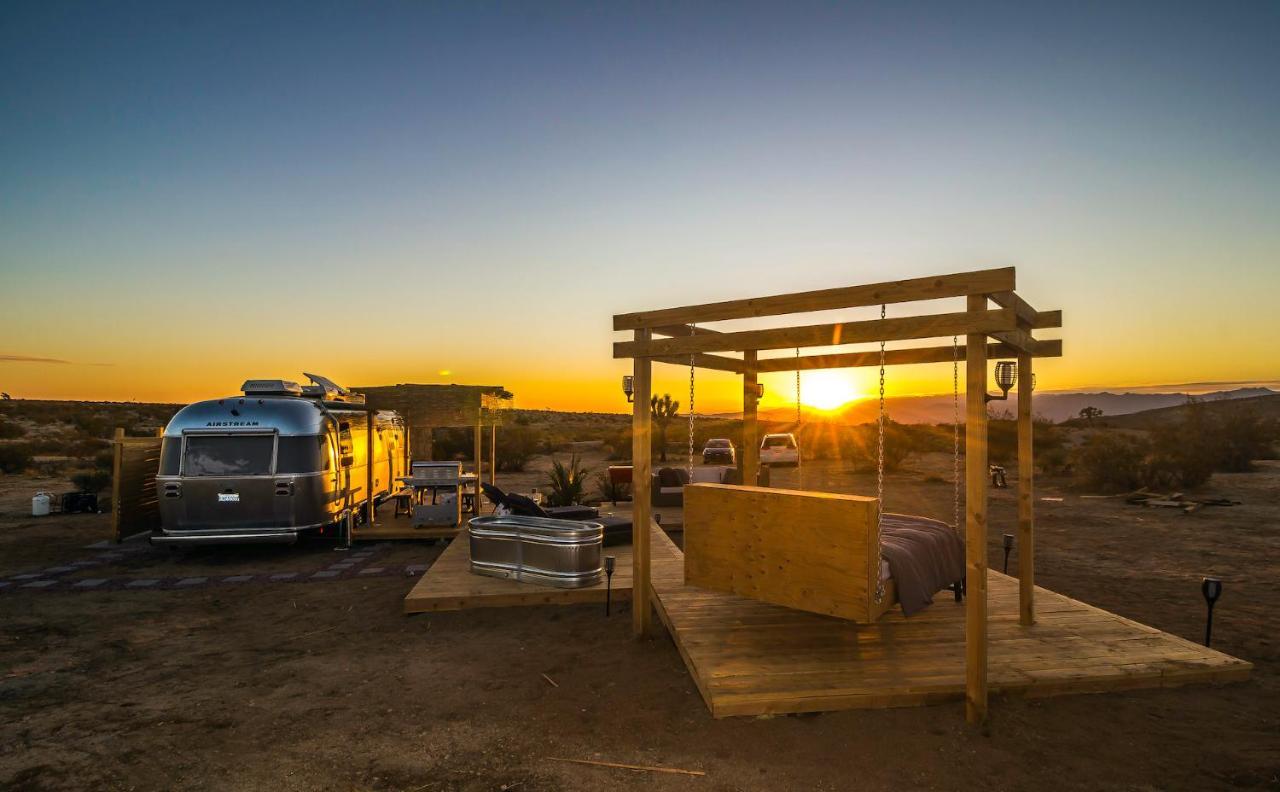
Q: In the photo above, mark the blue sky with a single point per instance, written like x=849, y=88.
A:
x=189, y=186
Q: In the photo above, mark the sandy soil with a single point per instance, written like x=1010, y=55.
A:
x=306, y=685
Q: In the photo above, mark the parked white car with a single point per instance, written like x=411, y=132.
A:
x=780, y=450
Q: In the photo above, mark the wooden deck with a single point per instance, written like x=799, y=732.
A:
x=449, y=584
x=750, y=658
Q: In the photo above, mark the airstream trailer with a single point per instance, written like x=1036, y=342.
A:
x=277, y=461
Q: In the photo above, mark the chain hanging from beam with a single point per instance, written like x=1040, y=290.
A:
x=880, y=477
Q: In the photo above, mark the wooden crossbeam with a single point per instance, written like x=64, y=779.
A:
x=1029, y=317
x=931, y=288
x=705, y=361
x=898, y=357
x=1019, y=339
x=897, y=329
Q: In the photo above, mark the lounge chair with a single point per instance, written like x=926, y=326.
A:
x=617, y=529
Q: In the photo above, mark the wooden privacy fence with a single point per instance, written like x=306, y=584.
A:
x=135, y=506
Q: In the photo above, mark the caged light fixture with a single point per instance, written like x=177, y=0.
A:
x=628, y=386
x=1006, y=375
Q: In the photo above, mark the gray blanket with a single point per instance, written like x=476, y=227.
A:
x=924, y=556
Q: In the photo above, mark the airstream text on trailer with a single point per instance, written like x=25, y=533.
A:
x=278, y=461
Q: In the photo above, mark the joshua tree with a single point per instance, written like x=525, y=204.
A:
x=1090, y=413
x=663, y=410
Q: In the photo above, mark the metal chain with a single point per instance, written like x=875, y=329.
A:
x=880, y=475
x=955, y=431
x=799, y=448
x=692, y=329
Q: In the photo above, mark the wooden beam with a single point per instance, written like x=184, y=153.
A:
x=1028, y=316
x=749, y=454
x=897, y=357
x=370, y=512
x=493, y=454
x=681, y=330
x=479, y=451
x=705, y=361
x=1019, y=339
x=930, y=288
x=641, y=503
x=1026, y=499
x=898, y=329
x=975, y=613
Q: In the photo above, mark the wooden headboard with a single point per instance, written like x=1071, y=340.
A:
x=814, y=551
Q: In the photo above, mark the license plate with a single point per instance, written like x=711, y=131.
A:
x=228, y=497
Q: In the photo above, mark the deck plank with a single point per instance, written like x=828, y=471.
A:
x=450, y=585
x=751, y=658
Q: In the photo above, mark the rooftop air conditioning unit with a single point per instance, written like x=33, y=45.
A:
x=271, y=387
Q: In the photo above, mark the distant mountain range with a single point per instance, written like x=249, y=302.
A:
x=1055, y=406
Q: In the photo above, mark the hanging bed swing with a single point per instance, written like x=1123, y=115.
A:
x=821, y=551
x=832, y=554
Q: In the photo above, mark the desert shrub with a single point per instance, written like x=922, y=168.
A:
x=618, y=445
x=453, y=443
x=568, y=483
x=14, y=458
x=860, y=446
x=1110, y=462
x=9, y=430
x=92, y=480
x=609, y=491
x=1243, y=437
x=516, y=446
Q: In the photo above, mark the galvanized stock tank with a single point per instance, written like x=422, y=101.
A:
x=561, y=553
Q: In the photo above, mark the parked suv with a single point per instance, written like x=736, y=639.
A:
x=719, y=451
x=780, y=450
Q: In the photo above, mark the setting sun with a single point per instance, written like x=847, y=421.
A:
x=827, y=390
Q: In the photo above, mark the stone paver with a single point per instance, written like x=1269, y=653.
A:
x=39, y=584
x=284, y=576
x=192, y=581
x=237, y=578
x=144, y=583
x=90, y=582
x=326, y=573
x=372, y=571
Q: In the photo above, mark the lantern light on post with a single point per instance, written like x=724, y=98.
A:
x=1008, y=545
x=1211, y=588
x=628, y=386
x=759, y=390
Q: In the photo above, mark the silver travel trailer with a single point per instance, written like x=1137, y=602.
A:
x=278, y=461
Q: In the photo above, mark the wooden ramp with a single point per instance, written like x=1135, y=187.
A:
x=750, y=658
x=449, y=584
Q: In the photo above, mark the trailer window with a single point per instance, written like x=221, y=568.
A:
x=170, y=455
x=228, y=455
x=301, y=454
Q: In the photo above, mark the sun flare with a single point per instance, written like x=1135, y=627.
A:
x=827, y=390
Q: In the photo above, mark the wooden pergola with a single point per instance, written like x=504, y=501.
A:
x=680, y=336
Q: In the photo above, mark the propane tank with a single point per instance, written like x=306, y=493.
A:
x=41, y=504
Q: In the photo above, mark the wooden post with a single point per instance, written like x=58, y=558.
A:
x=369, y=509
x=975, y=438
x=117, y=464
x=475, y=503
x=493, y=454
x=1026, y=473
x=642, y=508
x=749, y=458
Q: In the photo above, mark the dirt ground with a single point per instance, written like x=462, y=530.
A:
x=301, y=682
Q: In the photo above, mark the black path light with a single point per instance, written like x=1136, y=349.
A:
x=1008, y=545
x=609, y=563
x=1211, y=588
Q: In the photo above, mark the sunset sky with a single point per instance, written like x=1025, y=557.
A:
x=196, y=194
